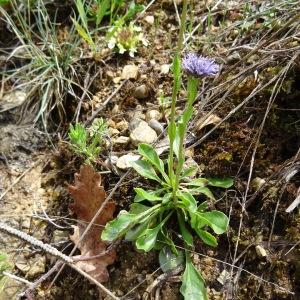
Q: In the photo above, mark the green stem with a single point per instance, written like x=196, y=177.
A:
x=176, y=86
x=192, y=88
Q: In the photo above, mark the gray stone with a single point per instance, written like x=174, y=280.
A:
x=153, y=114
x=130, y=72
x=149, y=19
x=125, y=161
x=122, y=140
x=165, y=69
x=157, y=126
x=143, y=133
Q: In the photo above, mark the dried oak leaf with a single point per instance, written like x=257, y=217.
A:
x=88, y=195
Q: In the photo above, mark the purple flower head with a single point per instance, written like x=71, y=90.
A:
x=199, y=65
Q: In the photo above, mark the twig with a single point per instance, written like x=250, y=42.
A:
x=53, y=251
x=160, y=280
x=17, y=278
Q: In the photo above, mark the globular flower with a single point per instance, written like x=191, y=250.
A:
x=199, y=66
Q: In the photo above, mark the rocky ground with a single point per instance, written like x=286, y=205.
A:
x=246, y=126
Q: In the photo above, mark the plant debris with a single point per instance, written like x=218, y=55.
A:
x=88, y=195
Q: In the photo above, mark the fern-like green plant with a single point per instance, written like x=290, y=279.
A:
x=87, y=143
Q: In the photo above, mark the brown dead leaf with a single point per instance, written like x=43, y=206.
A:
x=88, y=195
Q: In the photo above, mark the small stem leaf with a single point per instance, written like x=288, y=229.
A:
x=176, y=144
x=192, y=88
x=150, y=154
x=176, y=67
x=168, y=260
x=147, y=241
x=188, y=200
x=187, y=114
x=221, y=182
x=192, y=287
x=207, y=237
x=188, y=238
x=146, y=170
x=218, y=221
x=172, y=131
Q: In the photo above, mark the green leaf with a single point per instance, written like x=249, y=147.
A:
x=166, y=198
x=150, y=154
x=137, y=208
x=146, y=195
x=147, y=241
x=188, y=200
x=188, y=172
x=199, y=182
x=218, y=221
x=125, y=221
x=84, y=34
x=223, y=183
x=163, y=240
x=138, y=230
x=118, y=227
x=145, y=169
x=168, y=260
x=101, y=10
x=82, y=14
x=203, y=190
x=202, y=206
x=192, y=287
x=188, y=238
x=207, y=238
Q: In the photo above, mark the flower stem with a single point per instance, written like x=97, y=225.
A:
x=176, y=87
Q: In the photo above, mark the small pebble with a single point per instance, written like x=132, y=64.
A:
x=130, y=72
x=122, y=140
x=164, y=69
x=149, y=19
x=141, y=92
x=122, y=125
x=153, y=114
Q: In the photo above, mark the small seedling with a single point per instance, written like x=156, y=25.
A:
x=87, y=143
